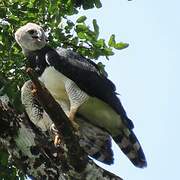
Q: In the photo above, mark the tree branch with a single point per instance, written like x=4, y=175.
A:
x=30, y=150
x=77, y=156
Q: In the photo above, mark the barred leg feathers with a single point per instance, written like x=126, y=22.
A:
x=131, y=147
x=95, y=141
x=34, y=110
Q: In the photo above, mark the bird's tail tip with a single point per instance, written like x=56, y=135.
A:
x=131, y=147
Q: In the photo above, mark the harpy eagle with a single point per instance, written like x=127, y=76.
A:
x=80, y=88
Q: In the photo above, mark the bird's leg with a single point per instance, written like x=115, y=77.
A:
x=57, y=139
x=71, y=117
x=76, y=98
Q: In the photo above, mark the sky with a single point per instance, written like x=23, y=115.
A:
x=146, y=76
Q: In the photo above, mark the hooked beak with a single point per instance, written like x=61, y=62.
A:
x=35, y=36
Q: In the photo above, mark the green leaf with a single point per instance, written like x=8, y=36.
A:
x=75, y=40
x=70, y=7
x=4, y=158
x=2, y=11
x=112, y=41
x=98, y=3
x=108, y=52
x=88, y=4
x=101, y=67
x=81, y=19
x=121, y=45
x=100, y=43
x=81, y=28
x=81, y=35
x=96, y=28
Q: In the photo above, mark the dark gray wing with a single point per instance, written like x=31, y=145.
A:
x=86, y=75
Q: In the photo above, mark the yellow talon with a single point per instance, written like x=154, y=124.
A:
x=57, y=140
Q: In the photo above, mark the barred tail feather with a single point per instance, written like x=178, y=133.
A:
x=95, y=141
x=131, y=147
x=104, y=153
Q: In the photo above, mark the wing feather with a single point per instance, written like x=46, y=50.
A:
x=86, y=75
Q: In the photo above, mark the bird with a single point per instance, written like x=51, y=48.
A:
x=81, y=89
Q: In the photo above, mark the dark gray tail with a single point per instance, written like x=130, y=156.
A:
x=131, y=147
x=95, y=141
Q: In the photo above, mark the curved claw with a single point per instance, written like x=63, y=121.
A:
x=54, y=131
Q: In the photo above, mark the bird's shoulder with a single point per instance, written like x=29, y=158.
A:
x=86, y=69
x=74, y=57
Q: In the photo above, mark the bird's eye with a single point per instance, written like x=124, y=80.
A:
x=31, y=31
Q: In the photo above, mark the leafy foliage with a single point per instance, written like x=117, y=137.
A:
x=7, y=170
x=87, y=4
x=112, y=43
x=53, y=15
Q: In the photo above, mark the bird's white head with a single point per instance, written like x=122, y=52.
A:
x=30, y=37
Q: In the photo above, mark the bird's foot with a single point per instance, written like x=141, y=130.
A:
x=57, y=139
x=34, y=91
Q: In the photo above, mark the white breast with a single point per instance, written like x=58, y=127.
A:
x=55, y=81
